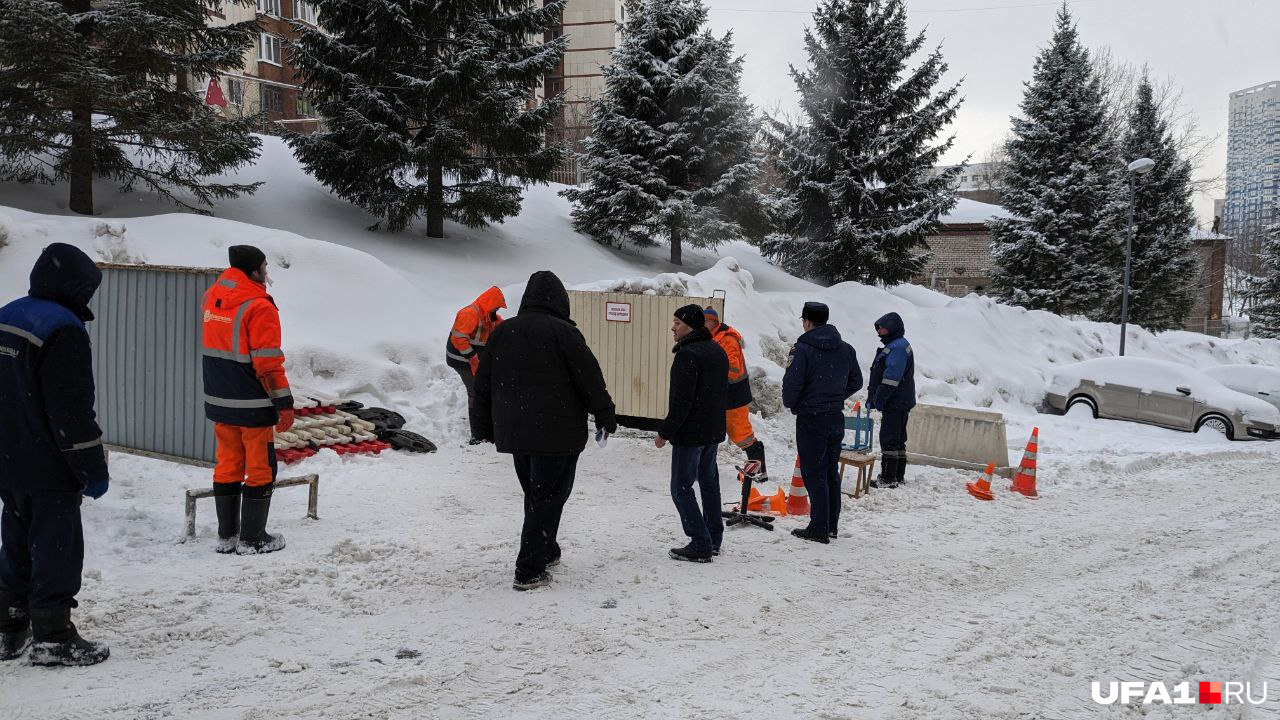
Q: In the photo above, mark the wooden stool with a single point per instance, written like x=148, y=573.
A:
x=866, y=463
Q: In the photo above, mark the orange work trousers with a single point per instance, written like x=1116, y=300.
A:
x=738, y=423
x=245, y=455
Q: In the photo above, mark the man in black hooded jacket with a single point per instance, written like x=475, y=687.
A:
x=536, y=383
x=50, y=455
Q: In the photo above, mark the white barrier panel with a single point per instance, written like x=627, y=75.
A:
x=957, y=438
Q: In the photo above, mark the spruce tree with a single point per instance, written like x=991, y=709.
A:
x=1064, y=249
x=427, y=106
x=95, y=89
x=1265, y=290
x=1163, y=276
x=858, y=198
x=670, y=155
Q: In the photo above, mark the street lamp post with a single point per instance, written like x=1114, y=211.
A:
x=1140, y=166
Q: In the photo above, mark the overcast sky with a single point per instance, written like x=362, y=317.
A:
x=1207, y=47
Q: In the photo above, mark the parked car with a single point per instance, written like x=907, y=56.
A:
x=1161, y=393
x=1258, y=380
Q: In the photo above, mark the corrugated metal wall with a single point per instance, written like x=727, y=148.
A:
x=146, y=360
x=635, y=356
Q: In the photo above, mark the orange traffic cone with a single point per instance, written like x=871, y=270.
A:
x=756, y=501
x=1025, y=481
x=778, y=503
x=798, y=498
x=982, y=488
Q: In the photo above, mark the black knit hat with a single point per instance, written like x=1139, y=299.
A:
x=246, y=258
x=816, y=313
x=692, y=316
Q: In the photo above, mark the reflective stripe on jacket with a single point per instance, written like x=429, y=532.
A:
x=244, y=380
x=473, y=325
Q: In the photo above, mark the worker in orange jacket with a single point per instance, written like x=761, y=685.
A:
x=247, y=396
x=470, y=333
x=738, y=415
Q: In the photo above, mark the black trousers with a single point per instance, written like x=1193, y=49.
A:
x=547, y=481
x=468, y=381
x=893, y=441
x=41, y=547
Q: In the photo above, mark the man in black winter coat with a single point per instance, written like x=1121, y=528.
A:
x=50, y=455
x=695, y=427
x=536, y=383
x=822, y=373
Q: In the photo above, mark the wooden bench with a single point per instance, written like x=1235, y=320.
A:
x=313, y=499
x=866, y=463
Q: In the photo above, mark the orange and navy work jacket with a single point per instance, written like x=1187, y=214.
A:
x=731, y=342
x=244, y=380
x=472, y=327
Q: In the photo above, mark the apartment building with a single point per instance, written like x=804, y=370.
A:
x=267, y=82
x=594, y=28
x=1253, y=171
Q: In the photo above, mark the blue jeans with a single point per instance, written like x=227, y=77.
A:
x=818, y=442
x=690, y=464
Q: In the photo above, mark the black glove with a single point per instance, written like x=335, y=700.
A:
x=607, y=422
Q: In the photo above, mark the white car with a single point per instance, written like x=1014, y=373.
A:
x=1261, y=381
x=1162, y=393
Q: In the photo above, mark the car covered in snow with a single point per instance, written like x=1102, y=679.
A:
x=1162, y=393
x=1258, y=380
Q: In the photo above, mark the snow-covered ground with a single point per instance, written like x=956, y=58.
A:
x=1150, y=556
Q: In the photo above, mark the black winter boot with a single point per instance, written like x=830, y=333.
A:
x=888, y=473
x=15, y=626
x=255, y=506
x=691, y=553
x=56, y=641
x=226, y=497
x=901, y=476
x=756, y=452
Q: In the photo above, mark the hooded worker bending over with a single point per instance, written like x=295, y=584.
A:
x=738, y=416
x=471, y=329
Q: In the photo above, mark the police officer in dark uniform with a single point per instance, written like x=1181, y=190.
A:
x=822, y=373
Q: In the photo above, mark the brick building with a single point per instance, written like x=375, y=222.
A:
x=267, y=82
x=961, y=262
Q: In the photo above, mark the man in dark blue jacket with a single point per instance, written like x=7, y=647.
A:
x=893, y=392
x=50, y=454
x=822, y=373
x=695, y=427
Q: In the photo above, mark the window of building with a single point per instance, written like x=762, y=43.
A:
x=269, y=7
x=269, y=49
x=235, y=91
x=303, y=106
x=304, y=11
x=272, y=99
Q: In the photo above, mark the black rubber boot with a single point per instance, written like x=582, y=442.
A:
x=888, y=473
x=226, y=497
x=15, y=626
x=255, y=506
x=900, y=475
x=56, y=641
x=756, y=452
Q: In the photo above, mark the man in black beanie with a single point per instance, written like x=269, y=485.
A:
x=695, y=427
x=247, y=396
